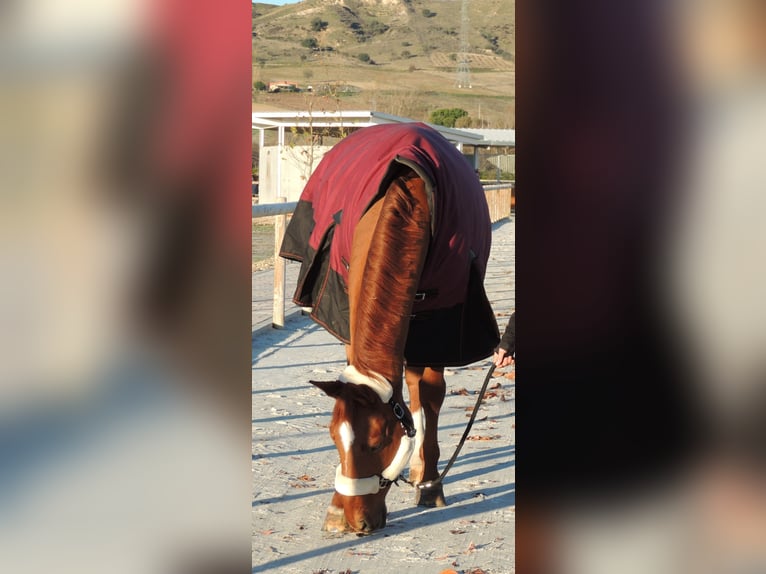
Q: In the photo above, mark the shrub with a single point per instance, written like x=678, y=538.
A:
x=364, y=57
x=406, y=54
x=309, y=43
x=447, y=116
x=427, y=13
x=317, y=24
x=259, y=85
x=375, y=27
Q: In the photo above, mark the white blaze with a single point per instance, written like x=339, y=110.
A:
x=346, y=436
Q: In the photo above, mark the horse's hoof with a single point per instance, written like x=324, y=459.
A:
x=431, y=497
x=335, y=520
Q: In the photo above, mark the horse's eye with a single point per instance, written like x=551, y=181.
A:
x=376, y=447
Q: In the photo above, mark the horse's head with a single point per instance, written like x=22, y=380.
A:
x=374, y=435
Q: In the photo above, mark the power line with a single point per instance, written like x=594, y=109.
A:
x=463, y=67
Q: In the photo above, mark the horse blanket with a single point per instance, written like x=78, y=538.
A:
x=452, y=322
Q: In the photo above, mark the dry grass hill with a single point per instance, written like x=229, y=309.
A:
x=394, y=56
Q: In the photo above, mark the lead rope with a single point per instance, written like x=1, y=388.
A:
x=437, y=481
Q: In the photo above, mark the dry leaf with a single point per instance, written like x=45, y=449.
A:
x=267, y=532
x=306, y=478
x=483, y=437
x=463, y=392
x=511, y=375
x=476, y=571
x=457, y=531
x=471, y=548
x=496, y=386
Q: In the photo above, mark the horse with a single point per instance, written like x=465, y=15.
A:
x=392, y=231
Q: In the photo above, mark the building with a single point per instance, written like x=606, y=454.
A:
x=291, y=145
x=283, y=87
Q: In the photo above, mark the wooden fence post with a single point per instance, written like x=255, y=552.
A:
x=280, y=223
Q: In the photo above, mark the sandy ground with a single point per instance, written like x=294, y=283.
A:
x=294, y=459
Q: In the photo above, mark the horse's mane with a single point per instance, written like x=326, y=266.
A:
x=392, y=271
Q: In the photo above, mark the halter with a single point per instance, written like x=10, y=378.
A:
x=373, y=484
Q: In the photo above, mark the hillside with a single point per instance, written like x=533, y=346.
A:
x=396, y=56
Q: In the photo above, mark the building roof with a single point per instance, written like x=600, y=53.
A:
x=351, y=119
x=494, y=137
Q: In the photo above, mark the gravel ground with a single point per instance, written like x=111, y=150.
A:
x=294, y=460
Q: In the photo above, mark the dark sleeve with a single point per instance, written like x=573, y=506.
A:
x=508, y=342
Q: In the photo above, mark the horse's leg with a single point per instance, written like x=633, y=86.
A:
x=427, y=389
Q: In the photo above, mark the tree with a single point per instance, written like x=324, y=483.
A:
x=259, y=85
x=317, y=24
x=447, y=116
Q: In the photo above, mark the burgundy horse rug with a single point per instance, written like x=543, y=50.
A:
x=452, y=322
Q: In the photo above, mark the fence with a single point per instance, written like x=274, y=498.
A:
x=499, y=200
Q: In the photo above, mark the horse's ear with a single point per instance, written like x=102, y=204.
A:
x=330, y=388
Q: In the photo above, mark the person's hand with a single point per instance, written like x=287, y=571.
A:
x=501, y=358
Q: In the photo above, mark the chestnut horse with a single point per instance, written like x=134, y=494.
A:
x=393, y=234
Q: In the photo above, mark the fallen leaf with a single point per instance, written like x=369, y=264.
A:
x=457, y=531
x=471, y=548
x=511, y=375
x=463, y=392
x=267, y=532
x=476, y=571
x=483, y=437
x=496, y=386
x=306, y=478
